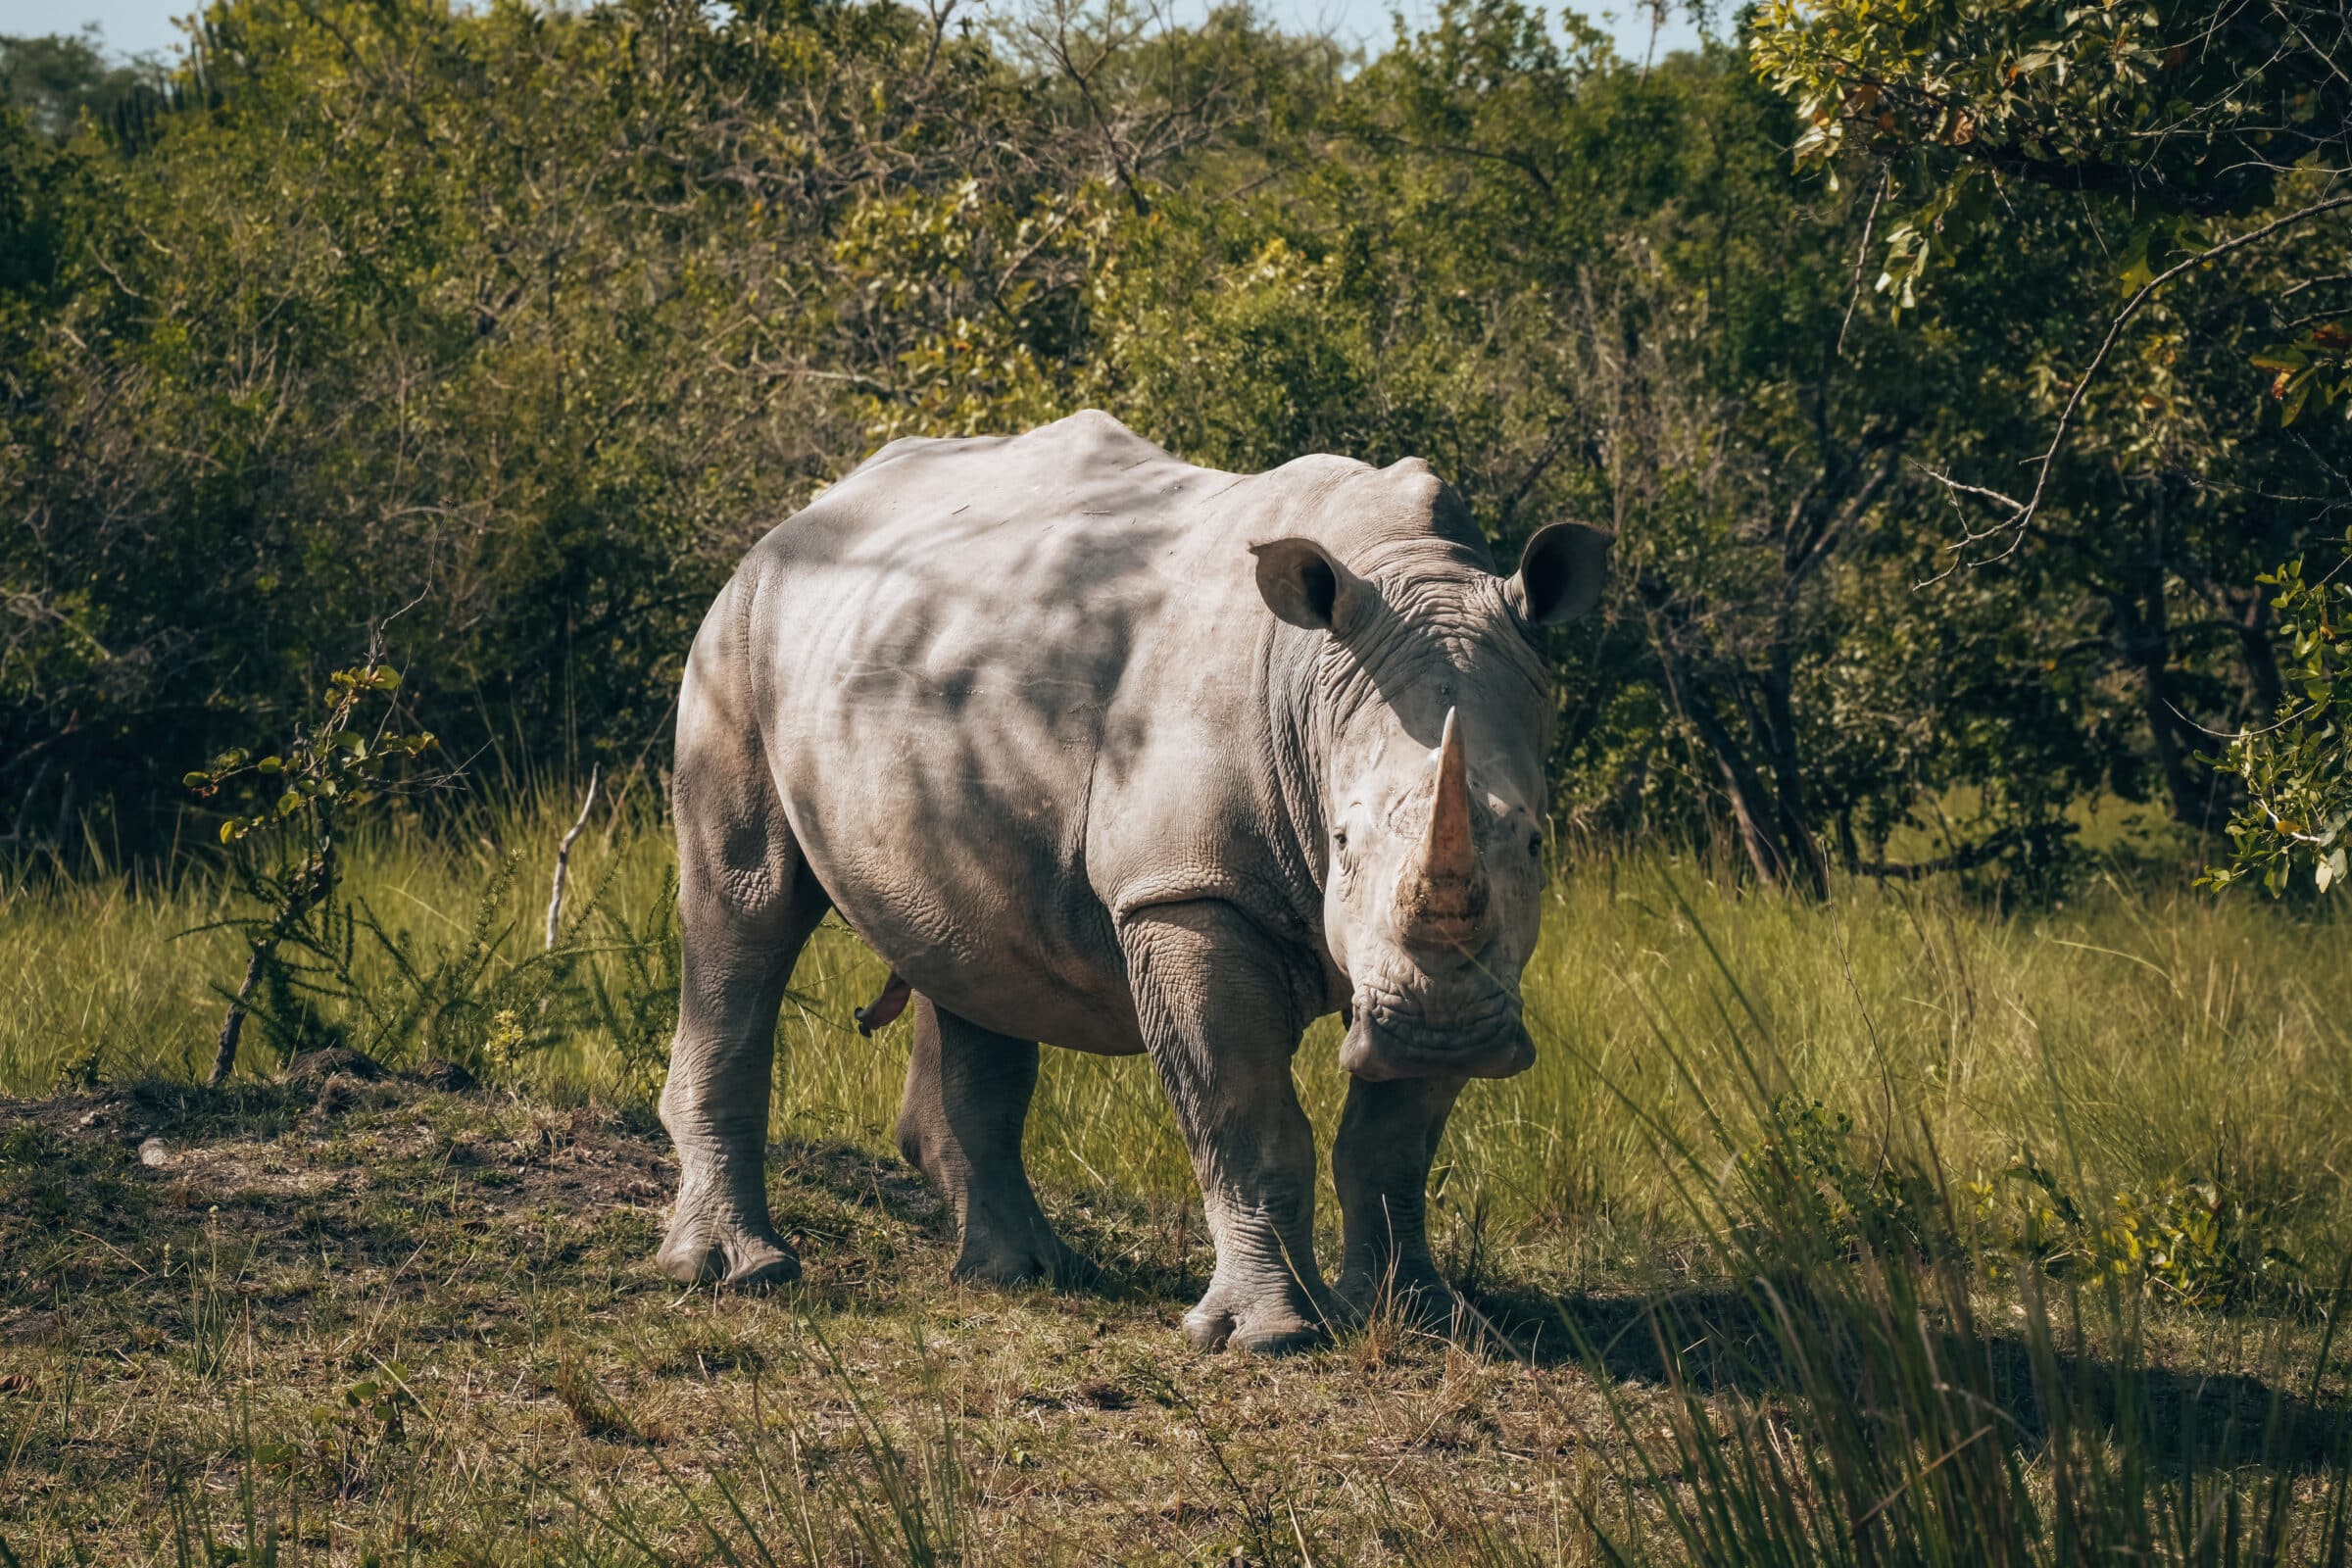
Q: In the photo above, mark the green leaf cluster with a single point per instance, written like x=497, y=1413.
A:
x=2297, y=770
x=332, y=763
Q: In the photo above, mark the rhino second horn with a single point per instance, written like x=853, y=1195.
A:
x=1440, y=897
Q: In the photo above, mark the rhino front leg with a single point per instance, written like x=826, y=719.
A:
x=1380, y=1164
x=1221, y=1017
x=967, y=1101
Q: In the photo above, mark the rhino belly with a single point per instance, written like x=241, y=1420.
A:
x=982, y=923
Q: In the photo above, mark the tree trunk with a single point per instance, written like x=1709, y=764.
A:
x=2260, y=656
x=2140, y=626
x=1788, y=780
x=317, y=887
x=232, y=1027
x=1752, y=806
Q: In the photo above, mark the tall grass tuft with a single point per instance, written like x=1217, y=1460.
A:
x=1874, y=1376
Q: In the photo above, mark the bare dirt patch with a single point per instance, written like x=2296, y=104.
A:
x=413, y=1318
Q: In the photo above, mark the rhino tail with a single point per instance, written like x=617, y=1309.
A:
x=884, y=1008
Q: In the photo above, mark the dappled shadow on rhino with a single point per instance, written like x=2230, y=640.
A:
x=1099, y=748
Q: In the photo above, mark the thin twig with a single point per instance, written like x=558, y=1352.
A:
x=2023, y=512
x=1862, y=258
x=555, y=895
x=2293, y=289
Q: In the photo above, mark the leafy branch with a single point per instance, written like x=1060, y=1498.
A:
x=2020, y=515
x=2298, y=772
x=334, y=765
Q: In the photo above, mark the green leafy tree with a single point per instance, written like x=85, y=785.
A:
x=2187, y=164
x=54, y=80
x=1585, y=290
x=552, y=312
x=2298, y=770
x=2181, y=113
x=528, y=307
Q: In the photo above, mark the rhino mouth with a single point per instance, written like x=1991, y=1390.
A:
x=1390, y=1037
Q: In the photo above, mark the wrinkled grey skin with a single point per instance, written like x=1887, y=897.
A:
x=1100, y=749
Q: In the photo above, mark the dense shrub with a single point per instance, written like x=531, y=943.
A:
x=520, y=324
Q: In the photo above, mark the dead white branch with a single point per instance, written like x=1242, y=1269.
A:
x=555, y=895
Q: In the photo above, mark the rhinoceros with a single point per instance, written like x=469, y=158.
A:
x=1100, y=749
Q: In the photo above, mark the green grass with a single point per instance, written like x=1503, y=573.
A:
x=2190, y=1036
x=1864, y=1232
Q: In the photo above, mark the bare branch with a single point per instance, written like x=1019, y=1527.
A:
x=2293, y=289
x=1862, y=254
x=554, y=897
x=2022, y=512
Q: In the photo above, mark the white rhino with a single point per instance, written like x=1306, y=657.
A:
x=1100, y=749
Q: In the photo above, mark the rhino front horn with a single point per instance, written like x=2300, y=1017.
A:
x=1449, y=855
x=1440, y=895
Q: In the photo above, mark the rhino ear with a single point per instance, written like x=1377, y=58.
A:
x=1303, y=585
x=1562, y=573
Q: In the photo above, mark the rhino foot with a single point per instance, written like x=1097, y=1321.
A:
x=738, y=1255
x=1037, y=1258
x=1268, y=1322
x=1412, y=1294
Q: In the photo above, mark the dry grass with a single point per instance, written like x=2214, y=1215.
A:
x=442, y=1344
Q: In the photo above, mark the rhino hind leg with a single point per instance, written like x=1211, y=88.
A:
x=960, y=1122
x=1221, y=1016
x=1380, y=1165
x=746, y=903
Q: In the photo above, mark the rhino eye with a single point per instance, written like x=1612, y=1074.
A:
x=1535, y=845
x=1339, y=840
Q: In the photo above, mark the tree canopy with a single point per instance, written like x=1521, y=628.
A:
x=514, y=326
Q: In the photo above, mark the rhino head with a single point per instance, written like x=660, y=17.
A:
x=1432, y=712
